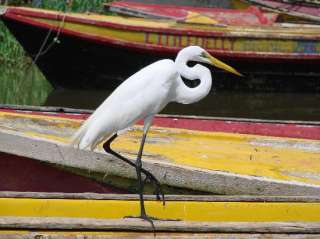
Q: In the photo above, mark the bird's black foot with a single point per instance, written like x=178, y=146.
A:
x=148, y=219
x=151, y=220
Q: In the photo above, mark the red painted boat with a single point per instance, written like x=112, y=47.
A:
x=99, y=52
x=205, y=15
x=279, y=128
x=35, y=155
x=297, y=9
x=24, y=174
x=304, y=2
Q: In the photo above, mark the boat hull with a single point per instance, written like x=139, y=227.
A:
x=101, y=54
x=246, y=17
x=292, y=11
x=24, y=174
x=186, y=154
x=101, y=216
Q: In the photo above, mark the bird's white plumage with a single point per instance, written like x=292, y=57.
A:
x=144, y=94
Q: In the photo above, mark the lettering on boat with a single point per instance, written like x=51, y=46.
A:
x=308, y=47
x=183, y=41
x=234, y=44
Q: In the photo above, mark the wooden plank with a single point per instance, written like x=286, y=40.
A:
x=169, y=174
x=50, y=109
x=54, y=109
x=291, y=129
x=166, y=226
x=196, y=198
x=200, y=15
x=251, y=158
x=228, y=152
x=305, y=12
x=120, y=235
x=213, y=211
x=145, y=235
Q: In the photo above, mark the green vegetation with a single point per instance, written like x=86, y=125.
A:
x=23, y=85
x=73, y=5
x=61, y=5
x=10, y=51
x=21, y=82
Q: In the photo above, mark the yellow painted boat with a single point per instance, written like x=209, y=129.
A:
x=288, y=10
x=73, y=42
x=103, y=216
x=212, y=161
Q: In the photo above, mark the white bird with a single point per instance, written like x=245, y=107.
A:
x=145, y=94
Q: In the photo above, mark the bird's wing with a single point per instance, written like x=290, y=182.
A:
x=143, y=94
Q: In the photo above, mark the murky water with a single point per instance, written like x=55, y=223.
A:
x=287, y=106
x=22, y=84
x=31, y=89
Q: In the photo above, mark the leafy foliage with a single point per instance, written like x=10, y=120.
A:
x=21, y=82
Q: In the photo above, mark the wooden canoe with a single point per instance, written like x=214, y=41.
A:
x=248, y=157
x=58, y=215
x=205, y=15
x=305, y=2
x=298, y=10
x=87, y=42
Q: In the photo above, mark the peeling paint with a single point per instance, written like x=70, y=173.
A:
x=273, y=158
x=288, y=144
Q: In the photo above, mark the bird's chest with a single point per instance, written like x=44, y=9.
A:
x=156, y=97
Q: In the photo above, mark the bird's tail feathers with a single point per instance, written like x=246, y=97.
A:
x=78, y=136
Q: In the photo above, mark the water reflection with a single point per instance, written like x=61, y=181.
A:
x=286, y=106
x=22, y=84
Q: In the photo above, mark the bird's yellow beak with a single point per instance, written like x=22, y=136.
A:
x=217, y=63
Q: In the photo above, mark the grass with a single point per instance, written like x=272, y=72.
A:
x=11, y=52
x=21, y=82
x=76, y=6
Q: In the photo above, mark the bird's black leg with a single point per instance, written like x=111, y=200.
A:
x=149, y=176
x=143, y=213
x=140, y=183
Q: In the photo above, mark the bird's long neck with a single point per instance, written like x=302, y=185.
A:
x=185, y=94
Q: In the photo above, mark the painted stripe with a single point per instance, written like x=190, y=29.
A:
x=162, y=26
x=157, y=48
x=191, y=211
x=271, y=158
x=290, y=130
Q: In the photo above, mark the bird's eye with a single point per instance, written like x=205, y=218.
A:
x=204, y=54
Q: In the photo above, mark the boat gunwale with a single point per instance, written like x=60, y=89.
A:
x=66, y=110
x=261, y=16
x=181, y=176
x=144, y=47
x=284, y=10
x=139, y=225
x=168, y=197
x=59, y=16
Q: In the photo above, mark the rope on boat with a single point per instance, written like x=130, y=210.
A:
x=42, y=50
x=55, y=40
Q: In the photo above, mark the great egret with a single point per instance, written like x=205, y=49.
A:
x=143, y=95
